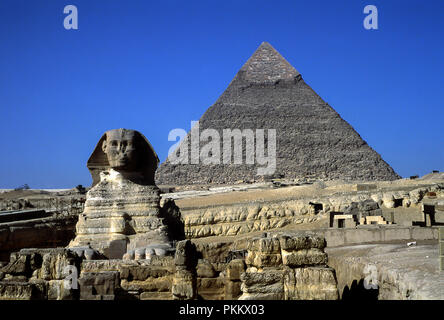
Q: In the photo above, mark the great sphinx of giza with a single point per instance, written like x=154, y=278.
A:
x=122, y=213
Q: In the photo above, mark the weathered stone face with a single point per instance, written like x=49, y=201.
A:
x=121, y=149
x=126, y=151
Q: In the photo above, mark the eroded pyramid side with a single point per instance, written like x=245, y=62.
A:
x=313, y=141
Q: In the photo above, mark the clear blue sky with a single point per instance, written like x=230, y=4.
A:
x=156, y=65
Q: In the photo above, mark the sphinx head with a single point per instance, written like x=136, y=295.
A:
x=126, y=151
x=122, y=149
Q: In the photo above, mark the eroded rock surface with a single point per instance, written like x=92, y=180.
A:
x=122, y=210
x=398, y=272
x=288, y=267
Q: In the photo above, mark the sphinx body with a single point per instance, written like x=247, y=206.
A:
x=122, y=209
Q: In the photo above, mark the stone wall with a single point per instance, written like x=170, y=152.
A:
x=38, y=233
x=369, y=234
x=241, y=218
x=388, y=271
x=295, y=265
x=288, y=268
x=229, y=220
x=38, y=274
x=127, y=279
x=71, y=205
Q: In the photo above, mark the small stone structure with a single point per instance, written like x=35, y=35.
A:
x=433, y=210
x=374, y=220
x=363, y=212
x=344, y=221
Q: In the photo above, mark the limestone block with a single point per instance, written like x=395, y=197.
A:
x=46, y=264
x=105, y=225
x=304, y=257
x=184, y=285
x=235, y=269
x=214, y=252
x=311, y=283
x=129, y=255
x=365, y=187
x=98, y=285
x=156, y=296
x=441, y=263
x=57, y=291
x=142, y=273
x=149, y=253
x=15, y=278
x=160, y=252
x=260, y=260
x=54, y=263
x=232, y=290
x=139, y=254
x=205, y=269
x=19, y=264
x=268, y=281
x=208, y=283
x=262, y=296
x=290, y=243
x=406, y=202
x=103, y=265
x=416, y=195
x=211, y=288
x=186, y=254
x=388, y=201
x=161, y=284
x=19, y=291
x=265, y=245
x=350, y=223
x=343, y=216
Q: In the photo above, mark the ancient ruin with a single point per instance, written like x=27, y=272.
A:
x=122, y=212
x=313, y=141
x=333, y=213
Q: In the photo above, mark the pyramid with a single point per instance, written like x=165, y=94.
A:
x=312, y=140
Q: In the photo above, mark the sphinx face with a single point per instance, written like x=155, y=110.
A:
x=121, y=149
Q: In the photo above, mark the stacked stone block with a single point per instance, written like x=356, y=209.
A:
x=130, y=279
x=38, y=274
x=210, y=283
x=184, y=282
x=233, y=283
x=288, y=267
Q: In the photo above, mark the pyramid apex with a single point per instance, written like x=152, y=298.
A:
x=265, y=44
x=268, y=65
